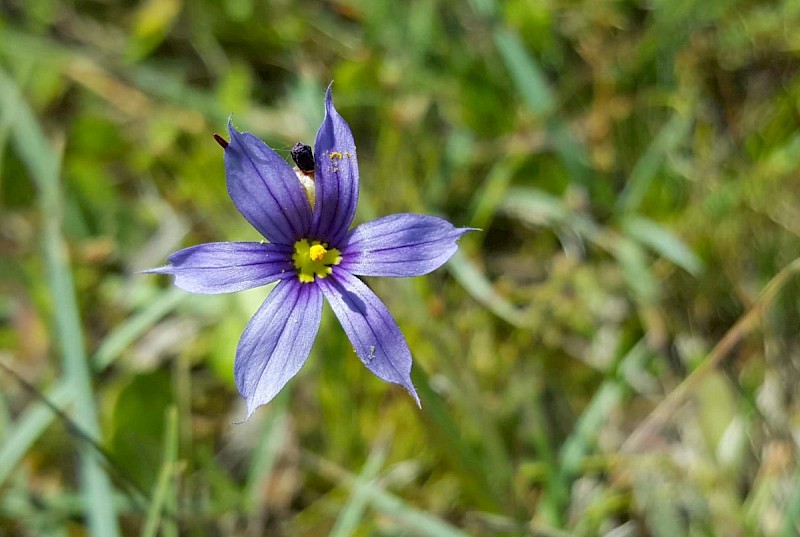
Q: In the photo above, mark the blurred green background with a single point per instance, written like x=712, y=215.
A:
x=616, y=353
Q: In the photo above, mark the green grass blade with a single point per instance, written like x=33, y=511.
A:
x=488, y=197
x=30, y=426
x=535, y=207
x=791, y=520
x=633, y=263
x=416, y=521
x=572, y=153
x=36, y=418
x=419, y=522
x=663, y=242
x=165, y=475
x=118, y=340
x=464, y=458
x=605, y=400
x=532, y=85
x=648, y=165
x=350, y=516
x=476, y=284
x=263, y=461
x=43, y=164
x=525, y=71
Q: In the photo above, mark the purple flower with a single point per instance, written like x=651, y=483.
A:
x=305, y=215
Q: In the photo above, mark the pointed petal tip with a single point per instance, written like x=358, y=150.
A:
x=236, y=134
x=251, y=405
x=413, y=393
x=166, y=269
x=250, y=411
x=243, y=420
x=336, y=183
x=464, y=230
x=231, y=129
x=461, y=231
x=330, y=109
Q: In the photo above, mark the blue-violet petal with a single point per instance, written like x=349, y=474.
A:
x=226, y=267
x=277, y=341
x=370, y=327
x=265, y=189
x=400, y=245
x=336, y=177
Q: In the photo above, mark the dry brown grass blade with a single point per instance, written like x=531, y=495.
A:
x=661, y=414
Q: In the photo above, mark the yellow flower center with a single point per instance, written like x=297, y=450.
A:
x=314, y=259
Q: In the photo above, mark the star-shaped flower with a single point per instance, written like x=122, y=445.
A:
x=305, y=213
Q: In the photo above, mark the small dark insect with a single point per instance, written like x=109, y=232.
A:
x=221, y=141
x=303, y=157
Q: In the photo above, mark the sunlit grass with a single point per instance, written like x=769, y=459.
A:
x=614, y=353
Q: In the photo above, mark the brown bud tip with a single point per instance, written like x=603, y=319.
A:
x=223, y=143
